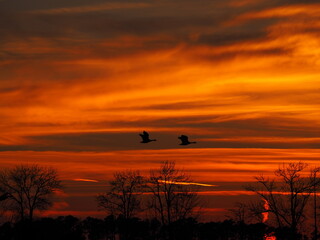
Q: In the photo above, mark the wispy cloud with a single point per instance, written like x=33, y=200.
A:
x=93, y=8
x=79, y=82
x=309, y=10
x=84, y=180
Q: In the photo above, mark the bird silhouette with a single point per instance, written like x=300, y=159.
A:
x=184, y=140
x=4, y=197
x=145, y=137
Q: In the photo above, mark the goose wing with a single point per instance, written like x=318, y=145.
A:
x=184, y=138
x=146, y=134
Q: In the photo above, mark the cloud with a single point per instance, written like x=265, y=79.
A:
x=80, y=79
x=85, y=180
x=282, y=11
x=92, y=8
x=229, y=169
x=60, y=205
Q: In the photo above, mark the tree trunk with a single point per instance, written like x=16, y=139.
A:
x=315, y=213
x=31, y=214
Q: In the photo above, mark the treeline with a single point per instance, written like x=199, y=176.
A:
x=283, y=201
x=169, y=201
x=111, y=228
x=167, y=194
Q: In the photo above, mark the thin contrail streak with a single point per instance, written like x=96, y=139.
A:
x=188, y=183
x=85, y=180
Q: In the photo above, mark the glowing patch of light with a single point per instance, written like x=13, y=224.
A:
x=269, y=236
x=265, y=214
x=188, y=183
x=84, y=180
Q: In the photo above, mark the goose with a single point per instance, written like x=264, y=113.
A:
x=184, y=140
x=145, y=137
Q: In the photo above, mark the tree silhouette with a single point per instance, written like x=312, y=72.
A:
x=28, y=188
x=287, y=195
x=239, y=212
x=123, y=196
x=315, y=180
x=172, y=197
x=123, y=199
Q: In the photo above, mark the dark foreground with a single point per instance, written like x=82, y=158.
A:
x=110, y=228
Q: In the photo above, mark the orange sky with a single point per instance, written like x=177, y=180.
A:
x=80, y=79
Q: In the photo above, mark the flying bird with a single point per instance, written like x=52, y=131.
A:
x=4, y=197
x=184, y=140
x=145, y=137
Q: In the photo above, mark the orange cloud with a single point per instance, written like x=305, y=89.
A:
x=282, y=11
x=60, y=205
x=84, y=180
x=245, y=86
x=226, y=193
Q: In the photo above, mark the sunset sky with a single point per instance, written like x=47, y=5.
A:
x=80, y=79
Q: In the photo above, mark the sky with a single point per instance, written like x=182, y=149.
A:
x=81, y=79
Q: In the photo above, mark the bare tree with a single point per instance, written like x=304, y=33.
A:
x=258, y=212
x=173, y=198
x=315, y=182
x=287, y=196
x=239, y=212
x=28, y=188
x=123, y=196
